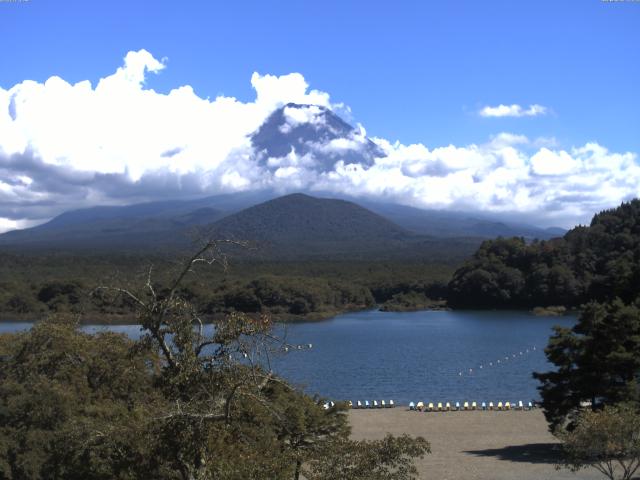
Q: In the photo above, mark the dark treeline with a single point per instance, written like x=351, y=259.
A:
x=599, y=262
x=36, y=285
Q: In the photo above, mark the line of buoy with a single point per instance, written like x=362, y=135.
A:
x=500, y=360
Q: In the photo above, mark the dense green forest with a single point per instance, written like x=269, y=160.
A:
x=597, y=262
x=34, y=285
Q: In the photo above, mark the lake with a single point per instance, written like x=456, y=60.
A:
x=411, y=356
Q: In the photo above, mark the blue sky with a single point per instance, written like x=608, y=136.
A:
x=410, y=71
x=415, y=72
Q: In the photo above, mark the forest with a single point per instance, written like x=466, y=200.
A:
x=36, y=285
x=598, y=262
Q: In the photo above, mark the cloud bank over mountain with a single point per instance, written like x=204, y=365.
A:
x=66, y=146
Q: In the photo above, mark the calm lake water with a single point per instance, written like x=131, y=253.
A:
x=429, y=356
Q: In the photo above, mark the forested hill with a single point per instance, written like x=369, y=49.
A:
x=299, y=224
x=598, y=262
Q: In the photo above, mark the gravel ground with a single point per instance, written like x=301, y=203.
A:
x=473, y=445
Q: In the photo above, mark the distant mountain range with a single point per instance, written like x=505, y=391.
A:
x=291, y=225
x=295, y=225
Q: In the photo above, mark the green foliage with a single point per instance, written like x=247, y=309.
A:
x=411, y=301
x=297, y=296
x=598, y=361
x=599, y=262
x=184, y=402
x=305, y=428
x=607, y=440
x=30, y=286
x=71, y=404
x=388, y=459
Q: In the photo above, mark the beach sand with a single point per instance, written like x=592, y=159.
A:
x=513, y=445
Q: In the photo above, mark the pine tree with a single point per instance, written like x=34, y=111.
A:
x=597, y=361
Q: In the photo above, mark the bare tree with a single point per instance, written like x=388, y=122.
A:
x=208, y=369
x=226, y=414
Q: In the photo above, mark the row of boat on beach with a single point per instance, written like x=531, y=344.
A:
x=439, y=406
x=448, y=407
x=373, y=404
x=365, y=404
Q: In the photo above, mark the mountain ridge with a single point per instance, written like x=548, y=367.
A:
x=167, y=223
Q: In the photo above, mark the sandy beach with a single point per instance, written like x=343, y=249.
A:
x=473, y=445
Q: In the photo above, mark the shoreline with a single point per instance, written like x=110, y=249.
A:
x=130, y=319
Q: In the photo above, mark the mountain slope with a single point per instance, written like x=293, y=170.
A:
x=307, y=129
x=137, y=226
x=302, y=218
x=294, y=220
x=300, y=226
x=443, y=223
x=295, y=226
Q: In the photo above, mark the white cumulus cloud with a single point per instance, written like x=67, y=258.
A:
x=65, y=146
x=297, y=116
x=120, y=126
x=513, y=110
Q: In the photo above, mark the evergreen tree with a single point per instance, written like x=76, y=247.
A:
x=599, y=262
x=597, y=361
